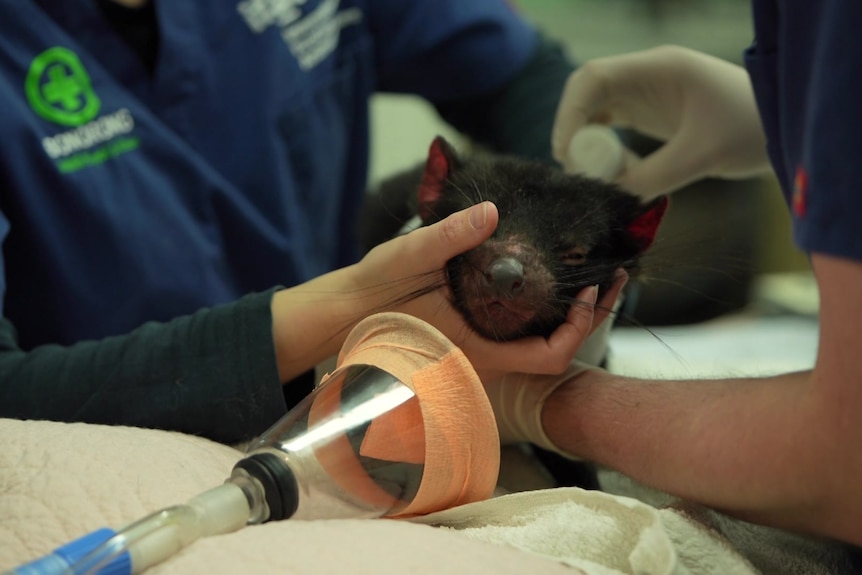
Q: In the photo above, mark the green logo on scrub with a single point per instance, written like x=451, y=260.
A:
x=59, y=89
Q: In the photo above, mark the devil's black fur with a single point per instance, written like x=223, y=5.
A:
x=566, y=231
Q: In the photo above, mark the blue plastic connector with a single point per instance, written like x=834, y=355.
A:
x=62, y=559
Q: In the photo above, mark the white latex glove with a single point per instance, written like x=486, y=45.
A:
x=701, y=106
x=517, y=400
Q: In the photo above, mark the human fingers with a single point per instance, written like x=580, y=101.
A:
x=673, y=165
x=435, y=244
x=616, y=90
x=539, y=355
x=553, y=355
x=606, y=305
x=428, y=248
x=583, y=93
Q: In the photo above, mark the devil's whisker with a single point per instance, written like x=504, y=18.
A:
x=567, y=232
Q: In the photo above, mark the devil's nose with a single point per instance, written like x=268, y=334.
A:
x=505, y=275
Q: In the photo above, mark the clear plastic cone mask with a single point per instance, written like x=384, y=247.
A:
x=401, y=427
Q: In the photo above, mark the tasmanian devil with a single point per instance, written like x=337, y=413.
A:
x=557, y=233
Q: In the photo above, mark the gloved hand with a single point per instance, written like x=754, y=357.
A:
x=701, y=106
x=517, y=400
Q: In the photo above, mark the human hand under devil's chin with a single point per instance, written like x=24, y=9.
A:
x=423, y=253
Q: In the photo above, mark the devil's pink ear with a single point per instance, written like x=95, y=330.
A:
x=440, y=163
x=645, y=226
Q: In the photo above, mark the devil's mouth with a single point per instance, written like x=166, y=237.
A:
x=502, y=320
x=509, y=310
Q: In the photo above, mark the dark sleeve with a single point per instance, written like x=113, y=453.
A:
x=447, y=49
x=212, y=373
x=517, y=118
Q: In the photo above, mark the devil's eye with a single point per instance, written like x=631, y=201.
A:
x=573, y=257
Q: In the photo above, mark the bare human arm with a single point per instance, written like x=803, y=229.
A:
x=784, y=451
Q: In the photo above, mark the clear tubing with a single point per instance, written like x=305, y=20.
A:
x=61, y=561
x=161, y=534
x=155, y=526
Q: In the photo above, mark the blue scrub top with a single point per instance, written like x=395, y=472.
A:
x=804, y=66
x=236, y=166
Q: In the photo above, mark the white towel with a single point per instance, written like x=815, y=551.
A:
x=59, y=481
x=596, y=532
